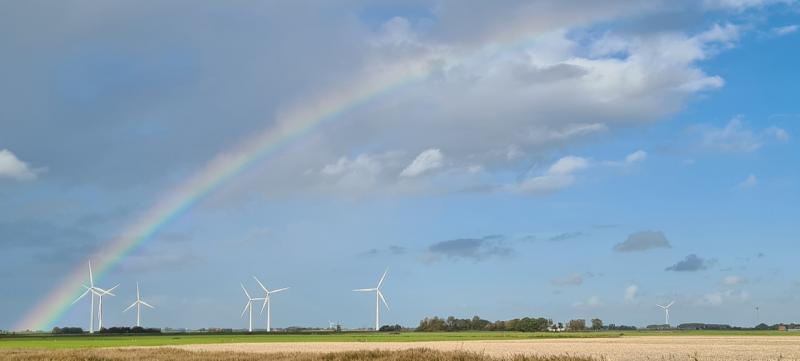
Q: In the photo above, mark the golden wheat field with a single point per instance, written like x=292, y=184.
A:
x=730, y=348
x=636, y=348
x=171, y=354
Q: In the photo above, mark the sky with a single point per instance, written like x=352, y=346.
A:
x=549, y=159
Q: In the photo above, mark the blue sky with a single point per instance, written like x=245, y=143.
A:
x=563, y=160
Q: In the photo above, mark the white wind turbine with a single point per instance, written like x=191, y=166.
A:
x=666, y=312
x=267, y=302
x=249, y=306
x=95, y=291
x=139, y=303
x=378, y=298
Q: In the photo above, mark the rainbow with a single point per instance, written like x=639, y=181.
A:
x=288, y=127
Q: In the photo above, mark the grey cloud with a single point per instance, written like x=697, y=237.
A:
x=393, y=250
x=643, y=241
x=605, y=226
x=51, y=244
x=137, y=82
x=197, y=85
x=569, y=280
x=691, y=263
x=397, y=250
x=38, y=234
x=476, y=249
x=565, y=236
x=159, y=258
x=533, y=74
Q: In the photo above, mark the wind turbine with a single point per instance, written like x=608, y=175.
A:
x=100, y=293
x=249, y=306
x=666, y=312
x=378, y=298
x=95, y=291
x=139, y=303
x=267, y=302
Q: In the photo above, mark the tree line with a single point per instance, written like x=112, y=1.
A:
x=78, y=330
x=525, y=324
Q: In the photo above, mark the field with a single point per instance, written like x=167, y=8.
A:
x=434, y=346
x=179, y=355
x=90, y=341
x=84, y=341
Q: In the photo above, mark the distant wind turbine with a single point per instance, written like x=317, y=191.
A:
x=267, y=302
x=666, y=312
x=249, y=307
x=139, y=303
x=378, y=298
x=95, y=291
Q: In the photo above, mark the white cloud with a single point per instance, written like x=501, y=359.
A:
x=561, y=174
x=512, y=108
x=749, y=182
x=779, y=134
x=725, y=34
x=733, y=280
x=557, y=177
x=785, y=30
x=636, y=157
x=568, y=165
x=717, y=298
x=741, y=5
x=12, y=167
x=592, y=302
x=360, y=172
x=424, y=162
x=711, y=299
x=631, y=293
x=737, y=137
x=574, y=279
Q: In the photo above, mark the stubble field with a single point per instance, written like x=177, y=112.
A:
x=636, y=348
x=695, y=346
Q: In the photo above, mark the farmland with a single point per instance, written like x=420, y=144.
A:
x=127, y=340
x=181, y=355
x=464, y=346
x=89, y=341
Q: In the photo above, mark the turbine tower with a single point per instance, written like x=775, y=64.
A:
x=378, y=298
x=249, y=307
x=666, y=312
x=267, y=302
x=95, y=291
x=139, y=303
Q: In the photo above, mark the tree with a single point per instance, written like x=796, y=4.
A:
x=576, y=325
x=597, y=324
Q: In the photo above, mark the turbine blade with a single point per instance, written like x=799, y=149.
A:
x=91, y=278
x=111, y=289
x=383, y=299
x=279, y=290
x=81, y=296
x=146, y=304
x=382, y=277
x=364, y=289
x=137, y=291
x=129, y=307
x=670, y=304
x=265, y=304
x=245, y=291
x=261, y=284
x=245, y=308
